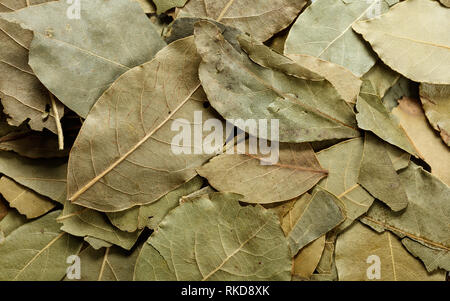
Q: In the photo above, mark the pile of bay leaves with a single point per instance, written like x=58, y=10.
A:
x=92, y=188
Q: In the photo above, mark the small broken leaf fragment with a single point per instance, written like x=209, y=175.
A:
x=307, y=259
x=425, y=220
x=296, y=171
x=313, y=216
x=224, y=242
x=26, y=201
x=436, y=104
x=378, y=175
x=362, y=253
x=22, y=95
x=26, y=251
x=412, y=119
x=419, y=50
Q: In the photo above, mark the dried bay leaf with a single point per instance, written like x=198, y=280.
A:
x=343, y=163
x=326, y=269
x=445, y=2
x=378, y=175
x=22, y=95
x=26, y=251
x=46, y=177
x=108, y=264
x=151, y=215
x=223, y=241
x=307, y=259
x=151, y=266
x=11, y=222
x=296, y=171
x=358, y=243
x=147, y=6
x=402, y=88
x=259, y=18
x=32, y=144
x=303, y=66
x=402, y=45
x=436, y=104
x=196, y=194
x=137, y=166
x=86, y=45
x=233, y=84
x=412, y=119
x=3, y=209
x=97, y=243
x=80, y=221
x=164, y=5
x=432, y=258
x=426, y=218
x=332, y=38
x=374, y=116
x=26, y=201
x=313, y=217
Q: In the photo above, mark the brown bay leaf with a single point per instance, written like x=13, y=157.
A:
x=259, y=18
x=25, y=200
x=133, y=163
x=233, y=84
x=356, y=248
x=296, y=171
x=22, y=95
x=436, y=104
x=433, y=150
x=86, y=45
x=402, y=45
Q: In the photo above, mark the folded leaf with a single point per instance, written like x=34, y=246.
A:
x=324, y=30
x=240, y=89
x=46, y=177
x=378, y=175
x=259, y=18
x=133, y=163
x=296, y=171
x=358, y=249
x=436, y=104
x=151, y=215
x=419, y=50
x=66, y=54
x=223, y=241
x=425, y=220
x=23, y=96
x=26, y=201
x=25, y=253
x=412, y=119
x=314, y=216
